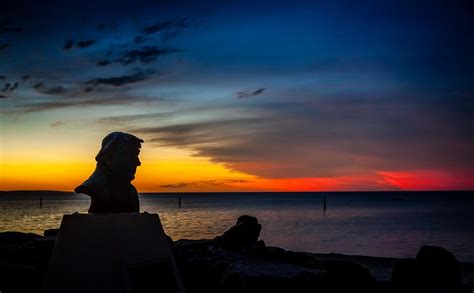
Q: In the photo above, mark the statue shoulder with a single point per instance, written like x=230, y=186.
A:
x=95, y=185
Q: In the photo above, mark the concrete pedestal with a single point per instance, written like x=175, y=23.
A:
x=112, y=253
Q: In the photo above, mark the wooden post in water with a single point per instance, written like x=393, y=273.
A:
x=324, y=203
x=179, y=201
x=41, y=202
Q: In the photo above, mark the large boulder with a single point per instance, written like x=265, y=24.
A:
x=434, y=268
x=244, y=233
x=437, y=267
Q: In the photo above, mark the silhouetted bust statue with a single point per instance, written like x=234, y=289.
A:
x=110, y=185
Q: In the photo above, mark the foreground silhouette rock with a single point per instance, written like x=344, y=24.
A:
x=210, y=266
x=434, y=270
x=245, y=232
x=238, y=262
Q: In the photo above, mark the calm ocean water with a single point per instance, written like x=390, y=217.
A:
x=391, y=224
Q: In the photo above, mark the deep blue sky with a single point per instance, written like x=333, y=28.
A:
x=294, y=89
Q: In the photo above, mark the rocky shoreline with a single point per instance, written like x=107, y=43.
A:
x=238, y=261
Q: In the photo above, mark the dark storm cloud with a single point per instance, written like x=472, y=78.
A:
x=4, y=46
x=85, y=43
x=3, y=97
x=241, y=95
x=121, y=80
x=25, y=77
x=2, y=77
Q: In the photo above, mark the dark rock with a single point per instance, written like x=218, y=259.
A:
x=244, y=233
x=206, y=266
x=238, y=262
x=19, y=278
x=248, y=276
x=274, y=253
x=437, y=268
x=50, y=232
x=346, y=274
x=16, y=238
x=434, y=269
x=404, y=273
x=170, y=240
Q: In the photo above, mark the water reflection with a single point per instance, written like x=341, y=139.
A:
x=365, y=225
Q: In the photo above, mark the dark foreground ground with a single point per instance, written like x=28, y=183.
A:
x=238, y=262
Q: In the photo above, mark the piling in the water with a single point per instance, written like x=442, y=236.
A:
x=179, y=201
x=41, y=202
x=324, y=203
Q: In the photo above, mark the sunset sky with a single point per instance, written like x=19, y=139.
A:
x=240, y=95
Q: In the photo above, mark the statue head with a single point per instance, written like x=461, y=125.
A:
x=119, y=155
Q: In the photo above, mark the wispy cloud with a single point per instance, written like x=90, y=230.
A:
x=118, y=81
x=115, y=99
x=143, y=55
x=241, y=95
x=173, y=24
x=56, y=124
x=49, y=90
x=81, y=44
x=203, y=183
x=332, y=136
x=10, y=87
x=68, y=45
x=85, y=43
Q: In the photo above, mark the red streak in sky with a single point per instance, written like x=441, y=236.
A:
x=431, y=180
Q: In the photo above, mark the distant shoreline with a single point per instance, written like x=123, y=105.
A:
x=49, y=192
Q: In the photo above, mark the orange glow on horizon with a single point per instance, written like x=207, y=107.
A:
x=183, y=172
